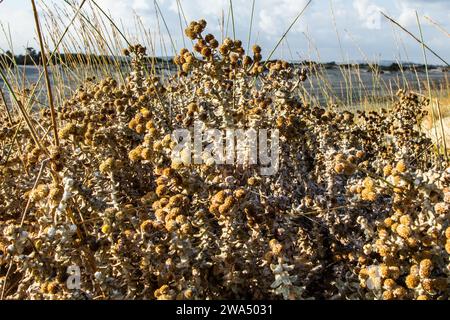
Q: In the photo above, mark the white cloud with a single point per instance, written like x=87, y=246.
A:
x=439, y=10
x=407, y=17
x=368, y=13
x=19, y=23
x=276, y=16
x=142, y=5
x=355, y=20
x=198, y=8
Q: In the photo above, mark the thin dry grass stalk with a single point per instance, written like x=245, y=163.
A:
x=415, y=38
x=47, y=77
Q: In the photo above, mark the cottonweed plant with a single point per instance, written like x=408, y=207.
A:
x=358, y=208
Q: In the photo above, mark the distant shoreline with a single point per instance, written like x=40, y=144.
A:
x=34, y=59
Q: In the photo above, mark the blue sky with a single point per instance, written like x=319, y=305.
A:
x=363, y=33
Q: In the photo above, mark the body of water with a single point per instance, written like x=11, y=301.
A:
x=353, y=87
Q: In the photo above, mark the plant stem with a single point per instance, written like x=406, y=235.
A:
x=251, y=26
x=47, y=78
x=287, y=31
x=415, y=38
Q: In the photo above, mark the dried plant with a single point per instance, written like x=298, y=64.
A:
x=359, y=207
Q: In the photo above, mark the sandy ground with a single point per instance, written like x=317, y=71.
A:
x=437, y=128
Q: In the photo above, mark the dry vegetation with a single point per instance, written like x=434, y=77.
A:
x=359, y=207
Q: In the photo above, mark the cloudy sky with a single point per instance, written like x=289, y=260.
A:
x=363, y=33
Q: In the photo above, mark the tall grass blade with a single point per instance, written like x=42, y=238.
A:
x=415, y=38
x=287, y=31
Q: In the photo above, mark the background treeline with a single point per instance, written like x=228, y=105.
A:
x=32, y=57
